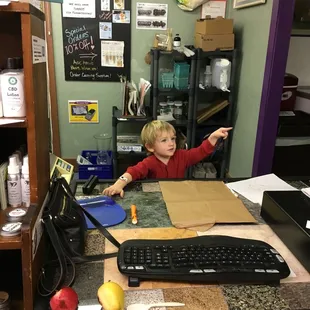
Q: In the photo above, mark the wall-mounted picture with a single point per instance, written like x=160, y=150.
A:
x=121, y=17
x=239, y=4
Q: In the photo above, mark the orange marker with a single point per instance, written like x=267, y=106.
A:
x=134, y=218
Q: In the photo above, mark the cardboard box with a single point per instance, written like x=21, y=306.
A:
x=217, y=25
x=213, y=42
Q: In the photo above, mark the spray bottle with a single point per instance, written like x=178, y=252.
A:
x=25, y=183
x=14, y=184
x=19, y=163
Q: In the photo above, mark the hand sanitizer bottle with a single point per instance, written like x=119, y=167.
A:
x=25, y=185
x=14, y=184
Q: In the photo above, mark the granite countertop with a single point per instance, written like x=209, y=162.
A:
x=290, y=296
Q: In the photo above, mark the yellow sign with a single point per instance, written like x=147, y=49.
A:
x=83, y=111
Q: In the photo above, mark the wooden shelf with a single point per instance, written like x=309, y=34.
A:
x=25, y=21
x=8, y=243
x=4, y=122
x=22, y=7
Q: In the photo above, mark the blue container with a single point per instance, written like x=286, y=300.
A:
x=181, y=83
x=101, y=171
x=181, y=69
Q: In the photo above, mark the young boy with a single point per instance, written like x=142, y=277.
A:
x=159, y=138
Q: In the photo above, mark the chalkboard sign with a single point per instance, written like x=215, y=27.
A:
x=96, y=39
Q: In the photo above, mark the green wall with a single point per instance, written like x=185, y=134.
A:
x=252, y=32
x=76, y=137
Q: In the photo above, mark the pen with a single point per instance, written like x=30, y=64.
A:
x=134, y=218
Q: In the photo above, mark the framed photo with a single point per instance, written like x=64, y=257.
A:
x=239, y=4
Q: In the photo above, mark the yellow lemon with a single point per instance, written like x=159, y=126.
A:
x=111, y=296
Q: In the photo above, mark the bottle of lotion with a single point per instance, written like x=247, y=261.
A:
x=14, y=184
x=12, y=90
x=25, y=183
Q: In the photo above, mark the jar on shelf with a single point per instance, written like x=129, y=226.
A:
x=170, y=104
x=171, y=107
x=178, y=109
x=163, y=109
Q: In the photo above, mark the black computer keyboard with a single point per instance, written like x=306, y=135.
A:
x=206, y=259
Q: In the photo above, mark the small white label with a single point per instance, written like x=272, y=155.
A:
x=12, y=227
x=25, y=191
x=17, y=213
x=308, y=224
x=14, y=193
x=38, y=50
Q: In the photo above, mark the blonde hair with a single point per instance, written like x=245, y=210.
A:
x=151, y=131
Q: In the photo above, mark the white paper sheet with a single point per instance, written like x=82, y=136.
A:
x=105, y=31
x=6, y=121
x=253, y=189
x=79, y=8
x=105, y=5
x=112, y=54
x=152, y=16
x=38, y=50
x=214, y=8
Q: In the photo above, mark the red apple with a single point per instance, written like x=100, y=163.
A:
x=65, y=299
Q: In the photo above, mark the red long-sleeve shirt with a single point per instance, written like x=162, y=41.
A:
x=152, y=168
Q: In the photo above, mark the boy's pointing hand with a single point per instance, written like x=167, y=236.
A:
x=218, y=134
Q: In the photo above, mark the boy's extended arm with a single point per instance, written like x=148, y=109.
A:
x=195, y=155
x=140, y=170
x=133, y=173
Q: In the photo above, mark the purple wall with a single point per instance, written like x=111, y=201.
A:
x=278, y=45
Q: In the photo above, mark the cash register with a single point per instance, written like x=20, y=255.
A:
x=288, y=214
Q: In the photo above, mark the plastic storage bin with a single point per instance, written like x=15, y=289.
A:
x=166, y=80
x=181, y=83
x=181, y=69
x=104, y=171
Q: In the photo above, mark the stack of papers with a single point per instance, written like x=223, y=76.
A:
x=253, y=189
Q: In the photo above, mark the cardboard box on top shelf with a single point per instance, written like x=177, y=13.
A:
x=211, y=26
x=210, y=43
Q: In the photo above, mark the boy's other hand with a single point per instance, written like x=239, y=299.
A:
x=114, y=190
x=218, y=134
